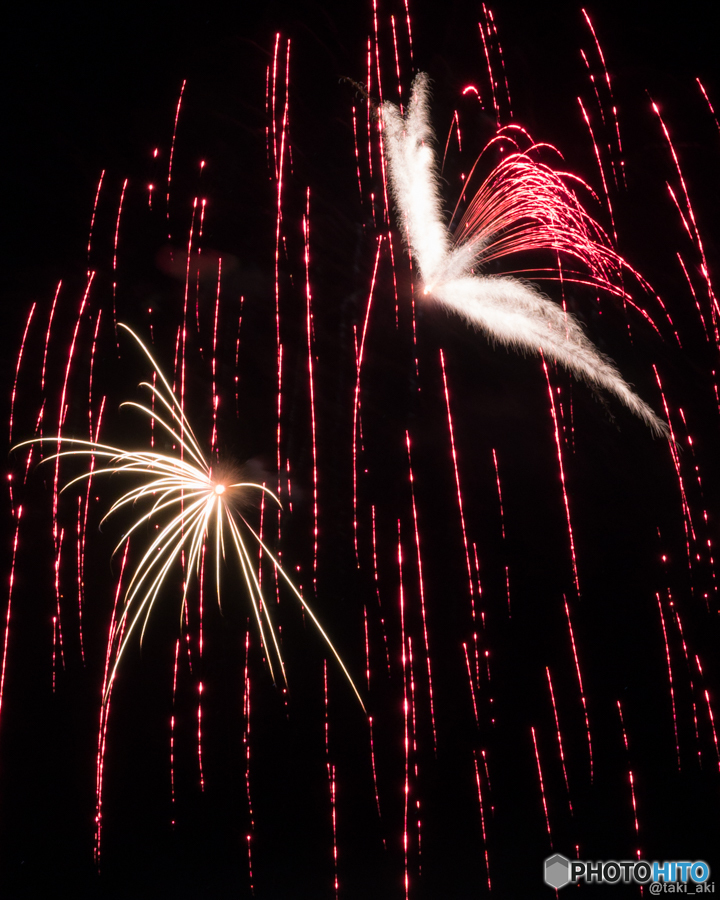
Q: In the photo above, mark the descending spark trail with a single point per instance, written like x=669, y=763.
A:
x=670, y=678
x=421, y=586
x=9, y=608
x=457, y=484
x=542, y=787
x=580, y=685
x=522, y=204
x=562, y=476
x=17, y=368
x=559, y=737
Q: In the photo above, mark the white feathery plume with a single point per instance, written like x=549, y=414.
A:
x=522, y=205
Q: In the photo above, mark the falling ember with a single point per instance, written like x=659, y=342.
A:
x=472, y=684
x=580, y=685
x=172, y=153
x=502, y=528
x=406, y=734
x=374, y=771
x=559, y=737
x=311, y=384
x=421, y=585
x=17, y=367
x=457, y=483
x=542, y=786
x=670, y=677
x=199, y=737
x=331, y=782
x=482, y=822
x=566, y=500
x=9, y=607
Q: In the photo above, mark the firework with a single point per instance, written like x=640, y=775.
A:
x=455, y=515
x=522, y=205
x=190, y=497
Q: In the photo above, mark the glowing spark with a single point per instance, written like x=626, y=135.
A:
x=670, y=677
x=9, y=607
x=542, y=787
x=457, y=484
x=566, y=499
x=197, y=501
x=421, y=586
x=559, y=737
x=521, y=205
x=580, y=685
x=482, y=820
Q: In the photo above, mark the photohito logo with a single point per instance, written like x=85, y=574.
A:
x=663, y=877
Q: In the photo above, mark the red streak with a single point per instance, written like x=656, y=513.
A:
x=114, y=640
x=675, y=454
x=634, y=804
x=600, y=166
x=409, y=28
x=357, y=151
x=92, y=218
x=9, y=606
x=406, y=740
x=356, y=402
x=502, y=526
x=707, y=100
x=397, y=57
x=559, y=737
x=582, y=692
x=172, y=730
x=311, y=384
x=457, y=485
x=377, y=590
x=482, y=820
x=472, y=684
x=246, y=739
x=610, y=91
x=79, y=542
x=491, y=76
x=712, y=723
x=199, y=736
x=670, y=677
x=115, y=250
x=331, y=782
x=491, y=25
x=695, y=231
x=421, y=584
x=172, y=154
x=47, y=333
x=215, y=398
x=542, y=787
x=566, y=500
x=17, y=367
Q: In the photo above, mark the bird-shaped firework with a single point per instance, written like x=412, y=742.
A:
x=521, y=205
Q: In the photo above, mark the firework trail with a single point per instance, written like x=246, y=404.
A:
x=506, y=309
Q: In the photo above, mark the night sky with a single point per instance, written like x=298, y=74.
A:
x=95, y=91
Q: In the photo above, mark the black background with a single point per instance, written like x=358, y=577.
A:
x=96, y=89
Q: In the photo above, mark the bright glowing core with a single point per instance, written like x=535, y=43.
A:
x=219, y=488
